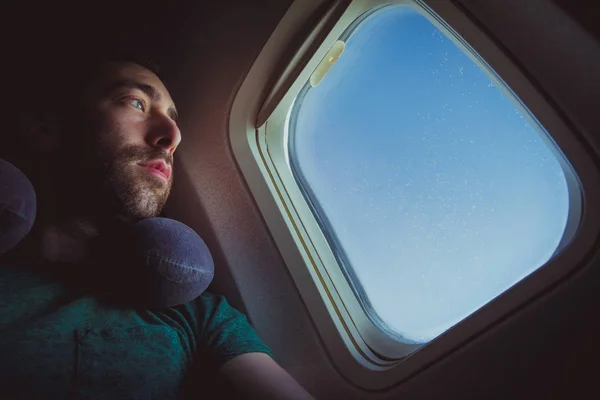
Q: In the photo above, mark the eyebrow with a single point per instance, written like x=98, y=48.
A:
x=149, y=90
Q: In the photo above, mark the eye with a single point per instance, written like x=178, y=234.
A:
x=137, y=103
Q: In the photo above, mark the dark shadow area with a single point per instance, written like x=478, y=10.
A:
x=585, y=12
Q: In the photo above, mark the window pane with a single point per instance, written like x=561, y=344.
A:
x=435, y=191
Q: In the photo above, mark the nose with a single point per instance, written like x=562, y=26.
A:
x=164, y=134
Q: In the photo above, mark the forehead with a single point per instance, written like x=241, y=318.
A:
x=115, y=73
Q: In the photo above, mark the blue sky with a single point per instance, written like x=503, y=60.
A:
x=439, y=190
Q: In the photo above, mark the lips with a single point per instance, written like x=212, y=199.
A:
x=158, y=168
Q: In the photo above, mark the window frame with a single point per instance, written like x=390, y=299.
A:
x=362, y=352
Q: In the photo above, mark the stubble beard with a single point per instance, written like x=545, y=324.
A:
x=133, y=193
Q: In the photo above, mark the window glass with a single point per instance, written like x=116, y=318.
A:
x=435, y=189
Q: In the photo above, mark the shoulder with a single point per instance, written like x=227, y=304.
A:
x=223, y=331
x=208, y=307
x=212, y=313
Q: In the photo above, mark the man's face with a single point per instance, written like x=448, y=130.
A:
x=129, y=137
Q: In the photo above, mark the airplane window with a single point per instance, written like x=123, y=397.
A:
x=435, y=188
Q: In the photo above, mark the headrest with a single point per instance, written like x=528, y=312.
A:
x=18, y=206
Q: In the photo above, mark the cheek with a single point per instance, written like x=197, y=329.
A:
x=116, y=129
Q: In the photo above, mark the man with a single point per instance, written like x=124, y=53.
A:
x=102, y=158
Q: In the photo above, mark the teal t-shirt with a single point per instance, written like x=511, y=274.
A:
x=58, y=342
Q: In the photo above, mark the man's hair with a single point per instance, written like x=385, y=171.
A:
x=57, y=87
x=40, y=84
x=76, y=76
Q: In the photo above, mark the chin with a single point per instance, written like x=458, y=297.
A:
x=143, y=199
x=148, y=205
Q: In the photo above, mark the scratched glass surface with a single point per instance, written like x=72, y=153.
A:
x=436, y=192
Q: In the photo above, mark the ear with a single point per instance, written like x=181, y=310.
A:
x=40, y=132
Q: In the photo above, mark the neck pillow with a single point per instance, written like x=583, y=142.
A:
x=154, y=263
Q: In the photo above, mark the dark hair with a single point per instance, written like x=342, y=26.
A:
x=77, y=75
x=65, y=78
x=41, y=86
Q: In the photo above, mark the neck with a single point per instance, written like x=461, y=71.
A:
x=68, y=221
x=72, y=240
x=68, y=242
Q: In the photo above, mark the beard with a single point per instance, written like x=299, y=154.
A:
x=129, y=190
x=104, y=181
